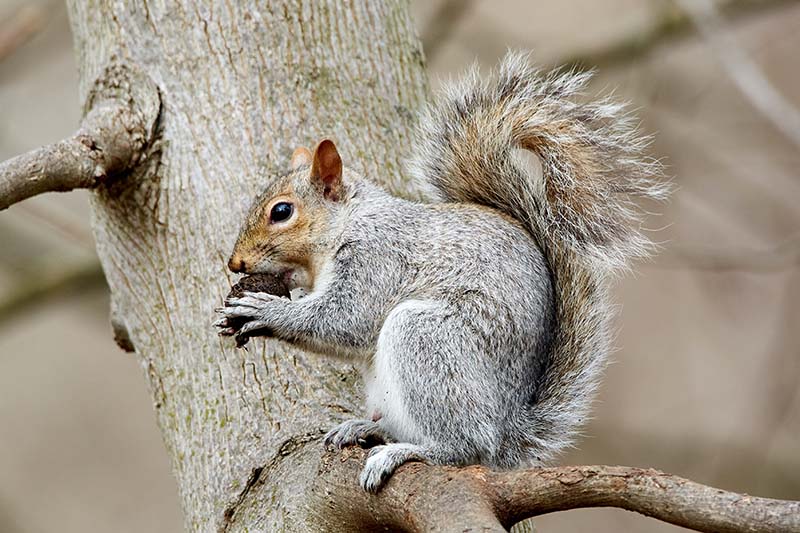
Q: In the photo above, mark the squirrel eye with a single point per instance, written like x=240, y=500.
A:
x=280, y=212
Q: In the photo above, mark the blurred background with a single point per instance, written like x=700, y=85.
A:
x=706, y=383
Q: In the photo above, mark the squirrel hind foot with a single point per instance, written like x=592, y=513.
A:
x=364, y=433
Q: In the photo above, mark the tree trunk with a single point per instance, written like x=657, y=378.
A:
x=241, y=83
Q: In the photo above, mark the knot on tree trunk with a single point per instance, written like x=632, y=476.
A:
x=120, y=117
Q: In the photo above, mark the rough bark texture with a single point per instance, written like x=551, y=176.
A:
x=242, y=84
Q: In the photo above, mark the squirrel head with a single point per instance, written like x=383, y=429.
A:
x=287, y=231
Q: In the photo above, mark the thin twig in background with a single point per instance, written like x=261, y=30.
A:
x=670, y=24
x=744, y=72
x=26, y=22
x=59, y=223
x=42, y=286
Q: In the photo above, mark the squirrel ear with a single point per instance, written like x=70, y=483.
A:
x=326, y=170
x=300, y=157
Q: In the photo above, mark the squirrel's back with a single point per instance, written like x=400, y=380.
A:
x=522, y=143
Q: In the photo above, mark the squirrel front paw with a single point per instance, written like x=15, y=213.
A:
x=247, y=316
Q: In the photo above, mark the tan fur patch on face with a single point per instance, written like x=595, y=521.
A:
x=266, y=246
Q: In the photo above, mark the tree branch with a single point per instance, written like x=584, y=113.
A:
x=122, y=110
x=420, y=497
x=40, y=285
x=23, y=24
x=665, y=497
x=671, y=23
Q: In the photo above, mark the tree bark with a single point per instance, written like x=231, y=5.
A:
x=420, y=498
x=242, y=84
x=193, y=106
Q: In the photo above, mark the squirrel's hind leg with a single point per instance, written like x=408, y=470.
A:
x=432, y=383
x=383, y=460
x=365, y=433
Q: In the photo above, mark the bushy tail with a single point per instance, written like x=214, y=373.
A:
x=576, y=197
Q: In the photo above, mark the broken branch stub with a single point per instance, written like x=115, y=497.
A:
x=119, y=123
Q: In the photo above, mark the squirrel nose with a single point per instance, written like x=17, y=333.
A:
x=237, y=264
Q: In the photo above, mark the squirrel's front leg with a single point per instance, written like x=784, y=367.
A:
x=257, y=308
x=319, y=322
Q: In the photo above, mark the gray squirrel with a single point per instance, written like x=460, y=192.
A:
x=479, y=319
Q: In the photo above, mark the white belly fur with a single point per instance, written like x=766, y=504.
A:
x=385, y=395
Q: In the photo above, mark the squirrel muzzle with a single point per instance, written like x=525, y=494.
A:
x=237, y=264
